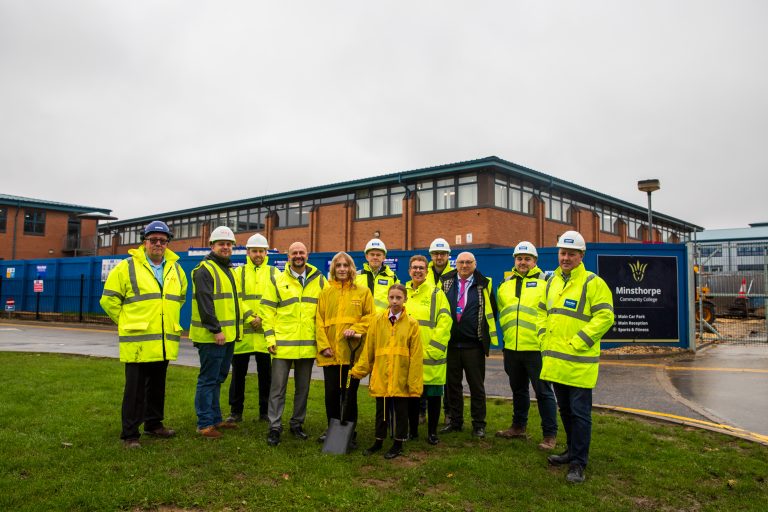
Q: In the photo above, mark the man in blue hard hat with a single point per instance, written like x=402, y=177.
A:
x=143, y=295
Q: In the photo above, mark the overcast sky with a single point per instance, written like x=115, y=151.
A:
x=152, y=106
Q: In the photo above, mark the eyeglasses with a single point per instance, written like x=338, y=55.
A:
x=418, y=269
x=161, y=241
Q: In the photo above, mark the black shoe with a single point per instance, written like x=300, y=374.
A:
x=273, y=438
x=373, y=449
x=451, y=428
x=299, y=433
x=559, y=460
x=234, y=418
x=575, y=474
x=322, y=437
x=478, y=432
x=413, y=437
x=393, y=452
x=263, y=417
x=433, y=439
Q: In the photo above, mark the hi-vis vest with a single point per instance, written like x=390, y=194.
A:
x=252, y=281
x=579, y=313
x=429, y=305
x=224, y=305
x=146, y=314
x=522, y=311
x=379, y=284
x=289, y=314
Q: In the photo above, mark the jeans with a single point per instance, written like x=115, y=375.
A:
x=237, y=385
x=143, y=397
x=469, y=362
x=302, y=375
x=576, y=412
x=214, y=368
x=523, y=367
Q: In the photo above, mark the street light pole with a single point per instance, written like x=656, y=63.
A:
x=649, y=186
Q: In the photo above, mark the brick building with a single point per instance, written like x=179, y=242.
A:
x=34, y=228
x=481, y=203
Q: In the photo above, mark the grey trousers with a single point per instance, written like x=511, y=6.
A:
x=302, y=375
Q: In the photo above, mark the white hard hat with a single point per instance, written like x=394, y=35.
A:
x=526, y=248
x=258, y=241
x=439, y=245
x=375, y=243
x=222, y=233
x=572, y=240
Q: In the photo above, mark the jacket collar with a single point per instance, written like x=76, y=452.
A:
x=385, y=270
x=575, y=273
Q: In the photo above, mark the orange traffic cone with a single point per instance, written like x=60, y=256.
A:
x=743, y=288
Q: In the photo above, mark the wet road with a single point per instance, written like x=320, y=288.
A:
x=719, y=385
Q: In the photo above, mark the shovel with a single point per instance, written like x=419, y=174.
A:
x=340, y=432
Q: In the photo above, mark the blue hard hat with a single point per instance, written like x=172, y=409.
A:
x=157, y=226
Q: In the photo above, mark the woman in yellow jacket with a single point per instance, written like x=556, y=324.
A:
x=343, y=311
x=393, y=358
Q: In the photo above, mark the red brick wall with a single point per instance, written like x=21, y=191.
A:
x=38, y=246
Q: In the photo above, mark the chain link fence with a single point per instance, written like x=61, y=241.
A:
x=731, y=279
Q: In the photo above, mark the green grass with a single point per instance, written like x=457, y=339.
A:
x=60, y=424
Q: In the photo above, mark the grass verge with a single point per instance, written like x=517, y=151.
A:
x=60, y=423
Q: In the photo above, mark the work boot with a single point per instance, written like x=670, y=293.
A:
x=209, y=432
x=513, y=432
x=575, y=474
x=548, y=443
x=478, y=432
x=161, y=432
x=273, y=437
x=559, y=460
x=299, y=433
x=234, y=418
x=226, y=425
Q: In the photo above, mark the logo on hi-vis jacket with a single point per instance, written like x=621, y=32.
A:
x=383, y=281
x=531, y=284
x=638, y=270
x=570, y=303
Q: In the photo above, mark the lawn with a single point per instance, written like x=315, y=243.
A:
x=60, y=426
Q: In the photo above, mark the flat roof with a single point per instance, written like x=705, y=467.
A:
x=758, y=231
x=23, y=202
x=492, y=163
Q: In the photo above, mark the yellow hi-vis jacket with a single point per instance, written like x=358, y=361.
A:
x=289, y=314
x=520, y=300
x=146, y=314
x=579, y=313
x=378, y=284
x=429, y=306
x=431, y=271
x=341, y=307
x=226, y=305
x=252, y=281
x=393, y=357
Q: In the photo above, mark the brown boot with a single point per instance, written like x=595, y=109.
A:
x=513, y=432
x=224, y=425
x=548, y=443
x=209, y=432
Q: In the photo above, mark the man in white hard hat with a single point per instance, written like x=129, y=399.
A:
x=376, y=275
x=253, y=278
x=579, y=313
x=521, y=312
x=214, y=329
x=440, y=253
x=289, y=318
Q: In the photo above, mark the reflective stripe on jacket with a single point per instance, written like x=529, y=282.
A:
x=393, y=357
x=579, y=313
x=253, y=280
x=520, y=300
x=289, y=314
x=225, y=305
x=430, y=307
x=378, y=284
x=341, y=307
x=146, y=314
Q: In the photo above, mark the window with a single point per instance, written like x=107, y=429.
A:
x=34, y=222
x=447, y=193
x=751, y=266
x=293, y=214
x=557, y=206
x=608, y=217
x=3, y=217
x=512, y=194
x=749, y=250
x=633, y=226
x=379, y=202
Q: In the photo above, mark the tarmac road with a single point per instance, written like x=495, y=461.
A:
x=722, y=387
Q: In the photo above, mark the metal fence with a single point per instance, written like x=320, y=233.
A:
x=731, y=284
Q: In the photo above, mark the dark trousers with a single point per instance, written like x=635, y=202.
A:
x=433, y=414
x=469, y=362
x=576, y=412
x=383, y=419
x=336, y=392
x=143, y=397
x=237, y=385
x=523, y=367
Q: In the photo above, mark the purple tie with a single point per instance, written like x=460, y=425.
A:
x=462, y=298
